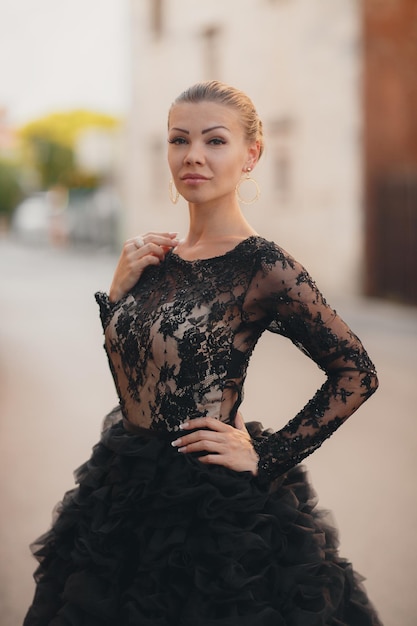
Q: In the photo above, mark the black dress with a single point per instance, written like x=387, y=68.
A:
x=152, y=537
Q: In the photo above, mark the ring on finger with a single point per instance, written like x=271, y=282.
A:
x=139, y=241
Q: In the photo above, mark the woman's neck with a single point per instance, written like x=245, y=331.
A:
x=212, y=232
x=209, y=222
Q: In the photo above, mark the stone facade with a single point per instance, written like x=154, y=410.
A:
x=300, y=63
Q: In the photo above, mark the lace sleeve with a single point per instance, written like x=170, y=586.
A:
x=105, y=306
x=295, y=308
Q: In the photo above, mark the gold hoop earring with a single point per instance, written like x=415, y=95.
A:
x=248, y=179
x=174, y=197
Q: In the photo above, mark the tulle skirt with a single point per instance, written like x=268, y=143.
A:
x=151, y=537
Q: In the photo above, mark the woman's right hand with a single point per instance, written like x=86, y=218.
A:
x=137, y=254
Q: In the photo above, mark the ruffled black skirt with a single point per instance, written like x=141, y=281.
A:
x=151, y=537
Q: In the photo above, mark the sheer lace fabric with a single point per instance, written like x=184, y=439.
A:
x=180, y=342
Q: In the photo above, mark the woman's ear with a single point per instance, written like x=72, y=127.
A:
x=253, y=154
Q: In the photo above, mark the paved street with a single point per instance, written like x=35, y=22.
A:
x=55, y=388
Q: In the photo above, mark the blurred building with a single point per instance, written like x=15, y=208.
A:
x=301, y=63
x=390, y=140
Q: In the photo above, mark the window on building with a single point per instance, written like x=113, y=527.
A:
x=159, y=187
x=282, y=173
x=281, y=133
x=211, y=51
x=157, y=17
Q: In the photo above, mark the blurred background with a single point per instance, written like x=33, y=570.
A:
x=85, y=88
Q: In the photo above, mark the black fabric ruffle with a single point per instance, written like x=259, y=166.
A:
x=151, y=537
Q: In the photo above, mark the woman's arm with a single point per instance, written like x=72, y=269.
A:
x=297, y=310
x=137, y=254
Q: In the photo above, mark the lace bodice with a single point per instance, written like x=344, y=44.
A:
x=180, y=341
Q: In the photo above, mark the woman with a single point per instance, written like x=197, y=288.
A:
x=182, y=517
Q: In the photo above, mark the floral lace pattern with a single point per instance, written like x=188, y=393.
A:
x=180, y=341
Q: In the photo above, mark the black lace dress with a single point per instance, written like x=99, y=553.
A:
x=152, y=537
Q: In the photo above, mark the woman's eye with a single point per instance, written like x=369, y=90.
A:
x=177, y=141
x=216, y=141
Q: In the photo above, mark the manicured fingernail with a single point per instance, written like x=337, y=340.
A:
x=184, y=425
x=176, y=443
x=173, y=234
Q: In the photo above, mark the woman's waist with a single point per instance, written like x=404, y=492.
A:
x=170, y=412
x=163, y=427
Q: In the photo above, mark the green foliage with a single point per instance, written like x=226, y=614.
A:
x=48, y=146
x=10, y=190
x=54, y=161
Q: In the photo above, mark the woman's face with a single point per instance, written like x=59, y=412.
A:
x=207, y=151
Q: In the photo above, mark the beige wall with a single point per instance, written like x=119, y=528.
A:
x=300, y=62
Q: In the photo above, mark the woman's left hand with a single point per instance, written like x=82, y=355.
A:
x=226, y=445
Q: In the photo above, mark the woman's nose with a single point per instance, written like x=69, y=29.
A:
x=194, y=154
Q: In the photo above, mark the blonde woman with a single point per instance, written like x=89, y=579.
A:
x=183, y=515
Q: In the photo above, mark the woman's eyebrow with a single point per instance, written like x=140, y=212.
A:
x=181, y=130
x=203, y=132
x=207, y=130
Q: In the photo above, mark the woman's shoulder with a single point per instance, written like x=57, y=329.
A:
x=277, y=267
x=269, y=253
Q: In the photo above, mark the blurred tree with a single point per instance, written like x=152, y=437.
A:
x=49, y=142
x=65, y=127
x=53, y=161
x=10, y=189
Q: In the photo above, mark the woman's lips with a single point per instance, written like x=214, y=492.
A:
x=193, y=179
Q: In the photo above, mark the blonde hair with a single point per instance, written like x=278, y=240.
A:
x=215, y=91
